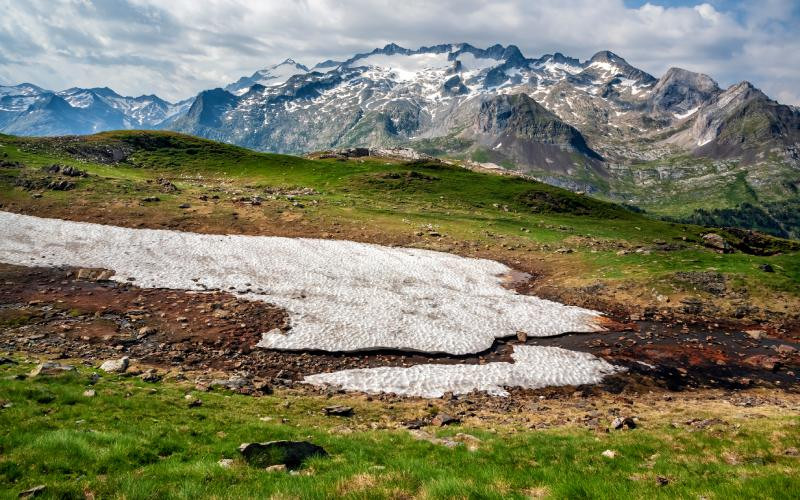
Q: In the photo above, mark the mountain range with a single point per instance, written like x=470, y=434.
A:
x=678, y=145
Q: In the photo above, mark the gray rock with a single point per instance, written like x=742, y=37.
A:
x=233, y=383
x=340, y=411
x=622, y=422
x=442, y=419
x=115, y=365
x=32, y=492
x=292, y=454
x=51, y=368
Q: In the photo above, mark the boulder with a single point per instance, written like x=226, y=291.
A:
x=623, y=422
x=292, y=454
x=442, y=419
x=716, y=242
x=32, y=492
x=234, y=383
x=764, y=362
x=115, y=365
x=92, y=274
x=51, y=368
x=339, y=411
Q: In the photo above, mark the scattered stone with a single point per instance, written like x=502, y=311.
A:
x=442, y=419
x=564, y=250
x=716, y=242
x=184, y=205
x=7, y=361
x=791, y=452
x=276, y=468
x=90, y=393
x=151, y=375
x=234, y=383
x=339, y=411
x=756, y=334
x=522, y=336
x=91, y=274
x=32, y=492
x=712, y=282
x=622, y=422
x=769, y=363
x=292, y=454
x=146, y=330
x=226, y=463
x=71, y=171
x=194, y=402
x=785, y=349
x=662, y=481
x=51, y=368
x=767, y=268
x=471, y=442
x=609, y=454
x=425, y=436
x=148, y=199
x=166, y=185
x=115, y=365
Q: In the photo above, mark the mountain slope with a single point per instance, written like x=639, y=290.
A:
x=30, y=110
x=670, y=145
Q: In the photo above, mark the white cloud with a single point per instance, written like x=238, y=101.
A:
x=178, y=48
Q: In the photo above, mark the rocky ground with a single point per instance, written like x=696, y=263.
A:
x=209, y=338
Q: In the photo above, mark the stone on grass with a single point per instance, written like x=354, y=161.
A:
x=115, y=365
x=339, y=411
x=234, y=383
x=292, y=454
x=276, y=468
x=32, y=492
x=442, y=419
x=609, y=454
x=150, y=375
x=622, y=422
x=226, y=463
x=90, y=393
x=51, y=368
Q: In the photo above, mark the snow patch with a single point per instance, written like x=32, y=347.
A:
x=340, y=295
x=681, y=116
x=533, y=367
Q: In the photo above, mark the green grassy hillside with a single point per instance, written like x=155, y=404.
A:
x=572, y=238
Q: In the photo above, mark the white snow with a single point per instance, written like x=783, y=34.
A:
x=340, y=295
x=533, y=367
x=405, y=67
x=681, y=116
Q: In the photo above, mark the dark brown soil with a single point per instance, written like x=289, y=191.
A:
x=50, y=311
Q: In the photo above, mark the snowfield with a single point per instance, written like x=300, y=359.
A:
x=533, y=367
x=340, y=295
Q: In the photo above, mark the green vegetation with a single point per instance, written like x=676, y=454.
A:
x=370, y=196
x=137, y=440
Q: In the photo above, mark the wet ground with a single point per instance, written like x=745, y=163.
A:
x=69, y=313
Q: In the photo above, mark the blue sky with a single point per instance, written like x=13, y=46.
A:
x=177, y=48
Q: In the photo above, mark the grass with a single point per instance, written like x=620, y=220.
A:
x=137, y=440
x=370, y=196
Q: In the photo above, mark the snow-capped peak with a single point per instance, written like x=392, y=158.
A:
x=269, y=77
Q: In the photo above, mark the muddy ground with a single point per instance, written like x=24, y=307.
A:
x=64, y=313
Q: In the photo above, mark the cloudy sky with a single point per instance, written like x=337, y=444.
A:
x=176, y=48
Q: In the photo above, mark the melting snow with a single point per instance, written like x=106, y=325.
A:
x=340, y=295
x=533, y=367
x=681, y=116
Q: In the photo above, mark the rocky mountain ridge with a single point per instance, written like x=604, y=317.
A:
x=602, y=125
